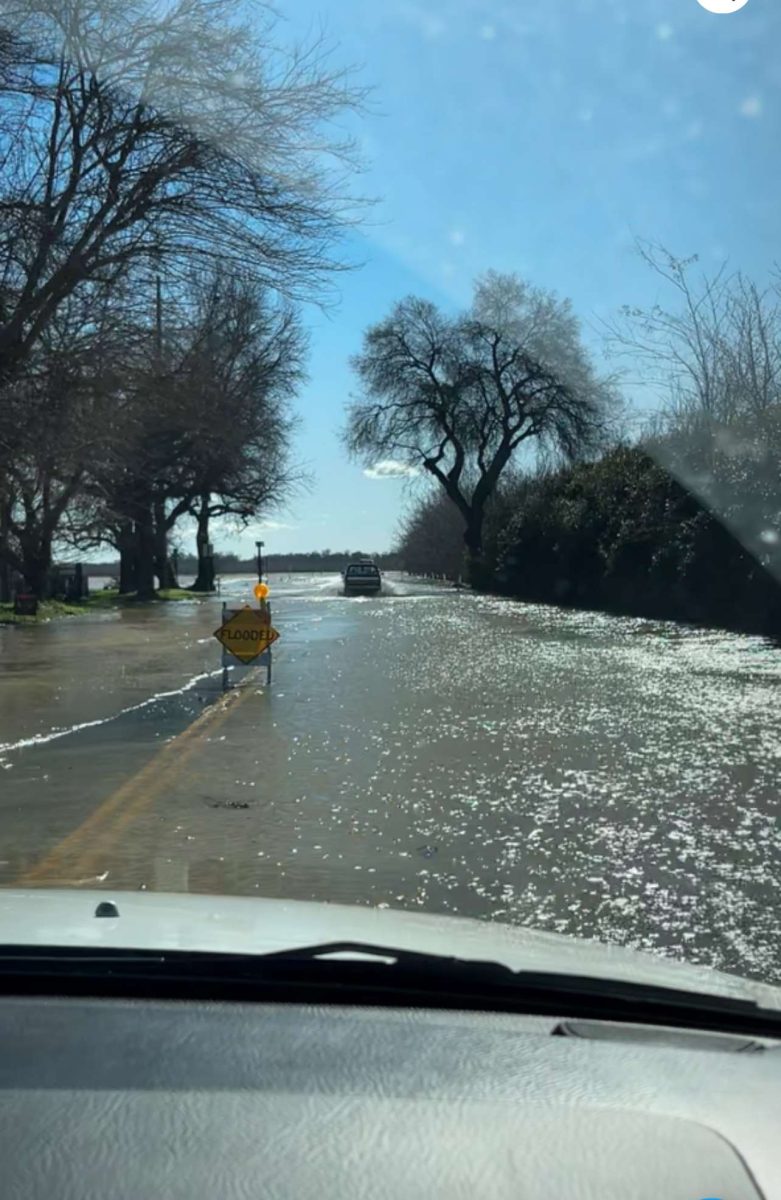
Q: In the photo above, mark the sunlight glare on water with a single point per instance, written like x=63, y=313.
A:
x=594, y=775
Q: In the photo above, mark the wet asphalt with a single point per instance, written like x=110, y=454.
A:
x=424, y=749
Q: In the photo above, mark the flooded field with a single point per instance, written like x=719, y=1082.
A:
x=424, y=749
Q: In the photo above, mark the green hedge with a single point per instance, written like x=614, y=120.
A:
x=622, y=535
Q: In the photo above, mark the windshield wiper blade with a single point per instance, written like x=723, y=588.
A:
x=354, y=973
x=532, y=986
x=388, y=955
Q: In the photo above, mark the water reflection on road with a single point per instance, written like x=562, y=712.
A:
x=425, y=749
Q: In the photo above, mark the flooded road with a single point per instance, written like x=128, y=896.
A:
x=425, y=749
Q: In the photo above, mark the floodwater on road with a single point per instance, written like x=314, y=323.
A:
x=426, y=749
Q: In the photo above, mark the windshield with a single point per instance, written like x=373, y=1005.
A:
x=486, y=295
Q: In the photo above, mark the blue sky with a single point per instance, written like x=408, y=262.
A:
x=539, y=138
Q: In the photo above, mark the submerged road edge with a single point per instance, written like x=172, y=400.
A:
x=76, y=858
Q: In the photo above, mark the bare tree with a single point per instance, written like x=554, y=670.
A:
x=201, y=427
x=59, y=413
x=714, y=354
x=679, y=348
x=241, y=366
x=461, y=396
x=131, y=130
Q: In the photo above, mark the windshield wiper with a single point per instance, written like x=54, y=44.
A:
x=353, y=973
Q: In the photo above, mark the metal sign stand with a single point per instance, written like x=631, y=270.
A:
x=267, y=653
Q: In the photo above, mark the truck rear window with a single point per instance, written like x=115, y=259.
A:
x=362, y=569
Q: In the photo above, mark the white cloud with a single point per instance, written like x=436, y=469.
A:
x=751, y=107
x=390, y=468
x=457, y=237
x=664, y=31
x=488, y=32
x=273, y=525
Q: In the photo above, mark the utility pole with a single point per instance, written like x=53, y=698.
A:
x=259, y=548
x=155, y=537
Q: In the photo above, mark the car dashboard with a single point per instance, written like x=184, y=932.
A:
x=137, y=1098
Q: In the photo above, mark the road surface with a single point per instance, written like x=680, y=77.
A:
x=424, y=749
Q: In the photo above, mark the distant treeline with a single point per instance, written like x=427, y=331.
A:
x=231, y=564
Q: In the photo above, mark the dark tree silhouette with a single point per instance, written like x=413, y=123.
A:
x=459, y=396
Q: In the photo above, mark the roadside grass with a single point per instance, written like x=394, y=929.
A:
x=111, y=597
x=48, y=610
x=52, y=610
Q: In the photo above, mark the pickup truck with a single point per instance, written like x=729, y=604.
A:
x=362, y=578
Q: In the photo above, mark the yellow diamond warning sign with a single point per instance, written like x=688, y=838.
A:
x=246, y=634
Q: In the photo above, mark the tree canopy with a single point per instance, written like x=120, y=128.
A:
x=138, y=131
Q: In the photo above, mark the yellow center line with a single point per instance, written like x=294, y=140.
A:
x=86, y=848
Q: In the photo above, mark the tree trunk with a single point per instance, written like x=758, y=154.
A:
x=145, y=551
x=204, y=580
x=473, y=540
x=163, y=566
x=36, y=564
x=128, y=567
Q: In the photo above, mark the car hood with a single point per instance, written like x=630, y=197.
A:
x=250, y=925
